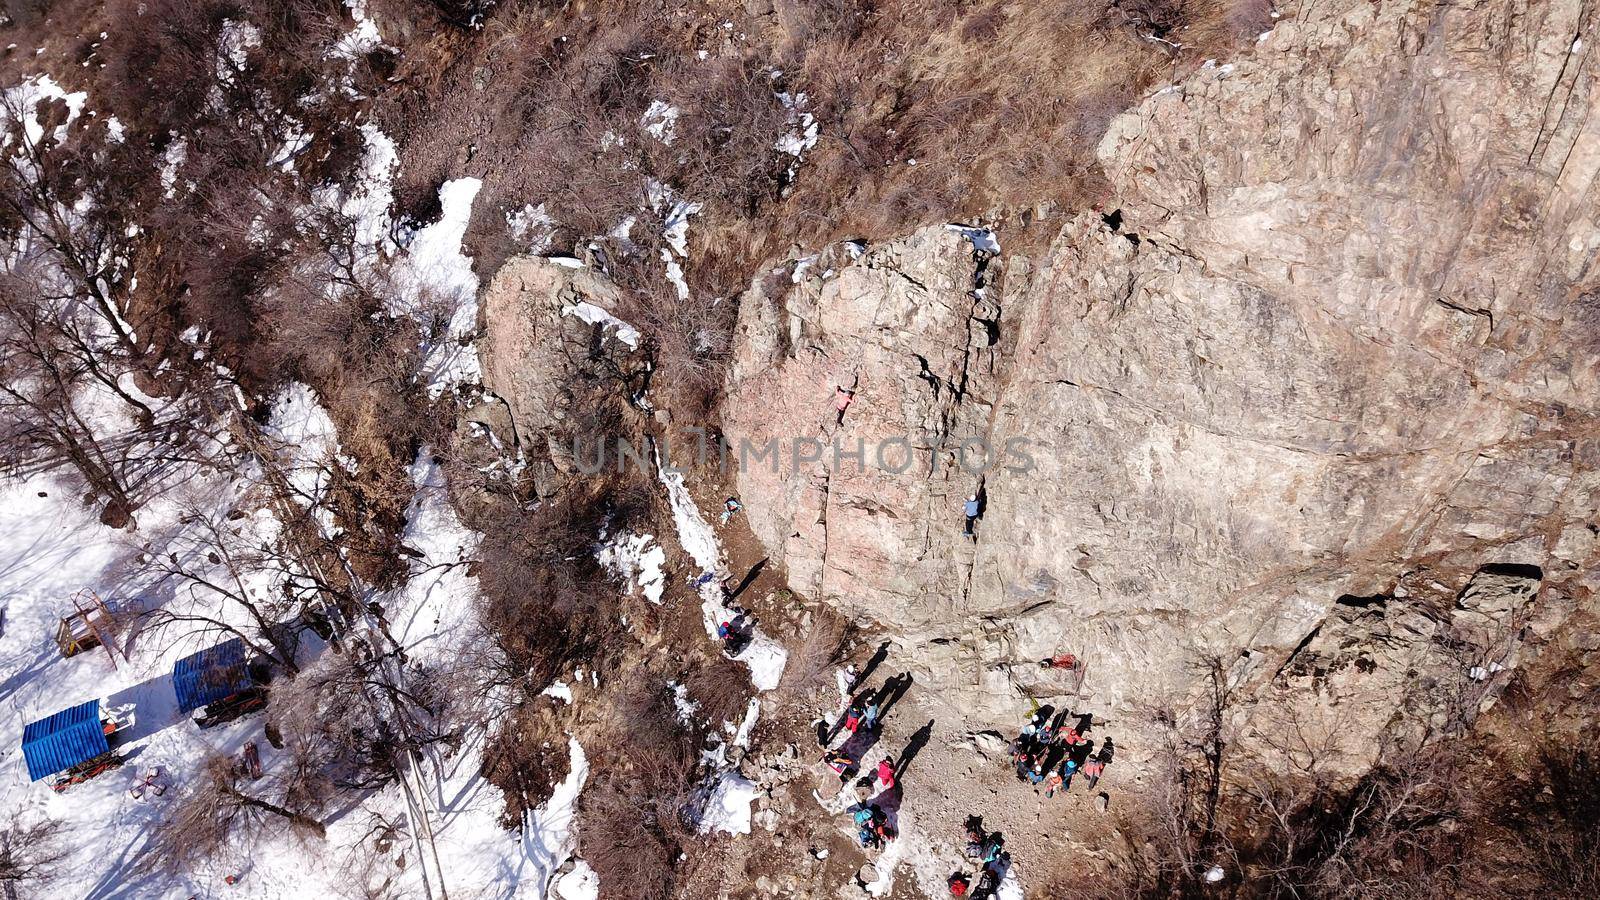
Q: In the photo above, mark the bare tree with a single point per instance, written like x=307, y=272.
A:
x=29, y=855
x=237, y=583
x=63, y=336
x=220, y=809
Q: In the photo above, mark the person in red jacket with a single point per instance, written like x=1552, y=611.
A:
x=841, y=402
x=959, y=883
x=885, y=773
x=1091, y=771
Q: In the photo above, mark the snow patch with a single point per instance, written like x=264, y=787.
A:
x=582, y=883
x=741, y=738
x=765, y=657
x=728, y=808
x=594, y=315
x=680, y=701
x=981, y=238
x=308, y=441
x=369, y=200
x=171, y=161
x=532, y=226
x=25, y=98
x=660, y=121
x=638, y=559
x=358, y=41
x=234, y=44
x=436, y=276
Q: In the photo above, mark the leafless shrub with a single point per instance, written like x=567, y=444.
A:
x=211, y=564
x=525, y=758
x=344, y=724
x=638, y=809
x=370, y=873
x=1558, y=821
x=219, y=810
x=821, y=648
x=30, y=852
x=720, y=688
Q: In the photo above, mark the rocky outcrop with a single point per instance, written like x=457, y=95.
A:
x=1335, y=334
x=550, y=337
x=869, y=505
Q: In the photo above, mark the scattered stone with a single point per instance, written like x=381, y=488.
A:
x=990, y=743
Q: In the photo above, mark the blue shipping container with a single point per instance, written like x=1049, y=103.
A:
x=65, y=739
x=210, y=675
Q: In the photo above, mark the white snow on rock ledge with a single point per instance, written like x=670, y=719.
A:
x=594, y=315
x=981, y=238
x=728, y=808
x=764, y=656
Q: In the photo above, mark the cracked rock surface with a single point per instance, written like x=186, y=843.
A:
x=1336, y=332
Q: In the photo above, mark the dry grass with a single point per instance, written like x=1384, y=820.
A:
x=822, y=646
x=998, y=104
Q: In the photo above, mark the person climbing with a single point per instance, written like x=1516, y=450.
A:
x=1059, y=661
x=729, y=507
x=959, y=884
x=842, y=399
x=972, y=510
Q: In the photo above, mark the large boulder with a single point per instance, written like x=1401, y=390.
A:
x=552, y=345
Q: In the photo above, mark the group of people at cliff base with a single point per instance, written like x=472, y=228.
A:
x=861, y=722
x=988, y=850
x=1052, y=749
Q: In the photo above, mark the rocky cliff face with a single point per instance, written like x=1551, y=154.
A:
x=1330, y=351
